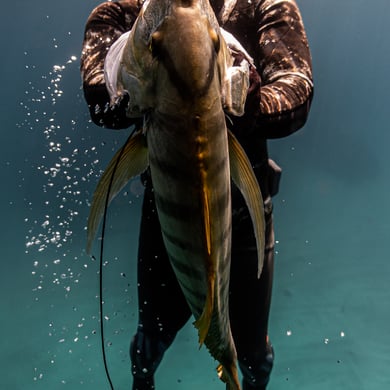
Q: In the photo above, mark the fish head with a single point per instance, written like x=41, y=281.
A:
x=188, y=60
x=175, y=47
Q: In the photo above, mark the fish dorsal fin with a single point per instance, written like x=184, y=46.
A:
x=129, y=161
x=245, y=179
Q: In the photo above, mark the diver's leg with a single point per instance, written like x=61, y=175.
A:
x=162, y=306
x=250, y=297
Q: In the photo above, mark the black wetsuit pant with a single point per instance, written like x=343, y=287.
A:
x=163, y=310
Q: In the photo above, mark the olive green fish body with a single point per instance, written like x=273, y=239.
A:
x=189, y=160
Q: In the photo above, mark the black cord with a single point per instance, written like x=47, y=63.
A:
x=101, y=264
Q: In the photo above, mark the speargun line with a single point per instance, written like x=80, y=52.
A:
x=101, y=317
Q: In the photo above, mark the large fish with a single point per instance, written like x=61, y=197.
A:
x=178, y=70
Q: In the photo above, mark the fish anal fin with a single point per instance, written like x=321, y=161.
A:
x=245, y=179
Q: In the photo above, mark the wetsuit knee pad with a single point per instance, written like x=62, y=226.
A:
x=146, y=353
x=256, y=372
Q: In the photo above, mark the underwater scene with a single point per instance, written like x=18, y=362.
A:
x=330, y=312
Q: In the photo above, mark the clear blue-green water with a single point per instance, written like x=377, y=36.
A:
x=331, y=301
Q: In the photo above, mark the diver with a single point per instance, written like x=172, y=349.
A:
x=277, y=104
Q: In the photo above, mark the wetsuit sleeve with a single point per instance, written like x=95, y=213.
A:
x=285, y=68
x=105, y=25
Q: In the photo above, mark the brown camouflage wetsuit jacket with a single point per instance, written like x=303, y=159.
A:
x=273, y=34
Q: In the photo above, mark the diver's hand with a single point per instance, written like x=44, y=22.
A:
x=252, y=105
x=114, y=114
x=106, y=114
x=254, y=85
x=246, y=123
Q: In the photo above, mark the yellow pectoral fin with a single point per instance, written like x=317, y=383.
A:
x=245, y=179
x=129, y=161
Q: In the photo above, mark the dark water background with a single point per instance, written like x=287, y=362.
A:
x=331, y=311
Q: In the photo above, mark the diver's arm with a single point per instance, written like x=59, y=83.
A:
x=284, y=65
x=104, y=26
